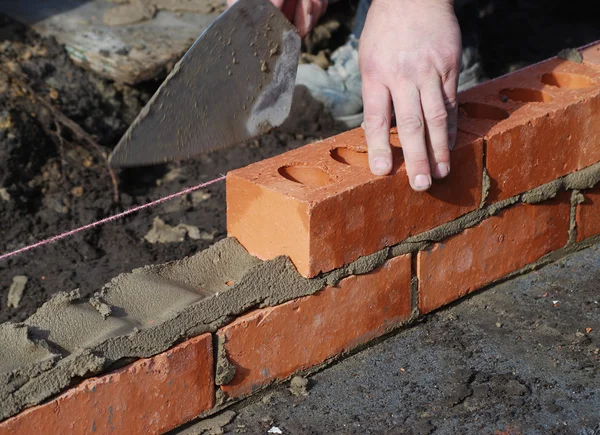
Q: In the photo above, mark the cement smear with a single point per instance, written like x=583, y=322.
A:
x=147, y=311
x=141, y=314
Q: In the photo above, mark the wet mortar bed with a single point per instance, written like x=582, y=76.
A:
x=519, y=358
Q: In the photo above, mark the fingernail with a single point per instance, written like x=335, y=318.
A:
x=441, y=170
x=422, y=181
x=381, y=165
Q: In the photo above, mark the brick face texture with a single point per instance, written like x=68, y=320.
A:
x=273, y=343
x=336, y=210
x=588, y=214
x=496, y=247
x=150, y=396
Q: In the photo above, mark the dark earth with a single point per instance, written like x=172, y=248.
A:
x=520, y=358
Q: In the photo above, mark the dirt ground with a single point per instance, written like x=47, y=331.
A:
x=52, y=180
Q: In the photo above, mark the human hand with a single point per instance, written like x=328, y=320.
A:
x=410, y=54
x=304, y=14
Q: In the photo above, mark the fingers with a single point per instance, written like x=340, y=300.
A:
x=307, y=14
x=411, y=131
x=377, y=114
x=436, y=122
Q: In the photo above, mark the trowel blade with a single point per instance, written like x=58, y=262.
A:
x=235, y=83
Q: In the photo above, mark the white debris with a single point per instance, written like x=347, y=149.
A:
x=15, y=291
x=164, y=233
x=195, y=234
x=4, y=195
x=275, y=429
x=200, y=196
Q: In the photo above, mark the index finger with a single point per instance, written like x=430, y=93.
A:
x=377, y=113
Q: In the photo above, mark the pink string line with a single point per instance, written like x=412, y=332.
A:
x=167, y=198
x=108, y=219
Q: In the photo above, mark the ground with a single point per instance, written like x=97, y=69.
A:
x=519, y=358
x=52, y=180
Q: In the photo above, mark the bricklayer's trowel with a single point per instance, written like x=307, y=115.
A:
x=236, y=82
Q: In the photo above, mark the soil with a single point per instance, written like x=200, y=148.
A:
x=51, y=185
x=51, y=181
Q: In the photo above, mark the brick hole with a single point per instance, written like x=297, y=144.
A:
x=484, y=111
x=350, y=157
x=567, y=80
x=523, y=95
x=306, y=175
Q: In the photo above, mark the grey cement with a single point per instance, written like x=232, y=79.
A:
x=146, y=312
x=506, y=360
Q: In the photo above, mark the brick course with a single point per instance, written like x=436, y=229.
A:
x=496, y=247
x=273, y=343
x=588, y=214
x=150, y=396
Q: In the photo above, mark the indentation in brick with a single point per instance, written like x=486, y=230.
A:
x=499, y=245
x=273, y=343
x=523, y=95
x=567, y=80
x=483, y=111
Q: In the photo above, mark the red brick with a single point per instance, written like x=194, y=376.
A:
x=273, y=343
x=588, y=214
x=150, y=396
x=539, y=141
x=496, y=247
x=341, y=211
x=591, y=54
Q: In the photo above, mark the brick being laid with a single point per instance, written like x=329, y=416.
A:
x=321, y=206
